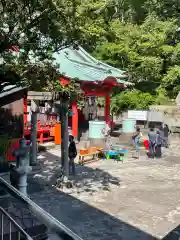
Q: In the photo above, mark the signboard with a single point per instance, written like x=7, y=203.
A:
x=138, y=115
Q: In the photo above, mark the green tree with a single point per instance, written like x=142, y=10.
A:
x=144, y=51
x=38, y=28
x=128, y=100
x=141, y=37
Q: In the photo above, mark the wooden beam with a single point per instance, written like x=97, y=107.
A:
x=43, y=96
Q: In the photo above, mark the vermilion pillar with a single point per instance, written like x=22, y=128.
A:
x=75, y=120
x=107, y=109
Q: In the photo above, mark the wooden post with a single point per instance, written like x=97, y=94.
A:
x=107, y=108
x=33, y=148
x=75, y=121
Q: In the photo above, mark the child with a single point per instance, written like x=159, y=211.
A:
x=72, y=154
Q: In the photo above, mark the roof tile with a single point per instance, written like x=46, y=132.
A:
x=77, y=63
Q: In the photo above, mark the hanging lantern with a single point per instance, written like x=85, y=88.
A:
x=64, y=81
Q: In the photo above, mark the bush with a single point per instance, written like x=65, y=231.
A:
x=130, y=100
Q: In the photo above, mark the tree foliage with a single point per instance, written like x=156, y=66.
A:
x=141, y=37
x=144, y=51
x=131, y=100
x=38, y=28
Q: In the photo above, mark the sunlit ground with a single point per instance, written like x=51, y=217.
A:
x=143, y=193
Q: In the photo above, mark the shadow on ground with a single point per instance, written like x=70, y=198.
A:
x=85, y=220
x=86, y=179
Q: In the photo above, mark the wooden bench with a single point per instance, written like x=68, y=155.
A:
x=43, y=133
x=93, y=151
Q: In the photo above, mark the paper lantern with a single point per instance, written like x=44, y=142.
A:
x=64, y=81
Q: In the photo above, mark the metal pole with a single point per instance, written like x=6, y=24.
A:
x=33, y=149
x=65, y=137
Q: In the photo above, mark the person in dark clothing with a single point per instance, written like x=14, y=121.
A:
x=155, y=144
x=152, y=142
x=161, y=132
x=166, y=135
x=158, y=145
x=72, y=154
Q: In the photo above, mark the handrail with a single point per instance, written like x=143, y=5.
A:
x=19, y=228
x=52, y=223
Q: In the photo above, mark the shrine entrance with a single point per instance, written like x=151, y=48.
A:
x=93, y=90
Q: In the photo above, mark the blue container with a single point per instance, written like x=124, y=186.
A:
x=96, y=129
x=128, y=125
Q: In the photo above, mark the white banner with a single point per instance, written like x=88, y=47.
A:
x=138, y=115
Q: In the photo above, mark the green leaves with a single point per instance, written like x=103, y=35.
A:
x=146, y=51
x=131, y=100
x=39, y=28
x=141, y=37
x=171, y=81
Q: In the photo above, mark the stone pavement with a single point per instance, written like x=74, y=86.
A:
x=142, y=201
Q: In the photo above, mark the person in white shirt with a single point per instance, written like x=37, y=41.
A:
x=106, y=133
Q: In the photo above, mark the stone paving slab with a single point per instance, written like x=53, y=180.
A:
x=143, y=199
